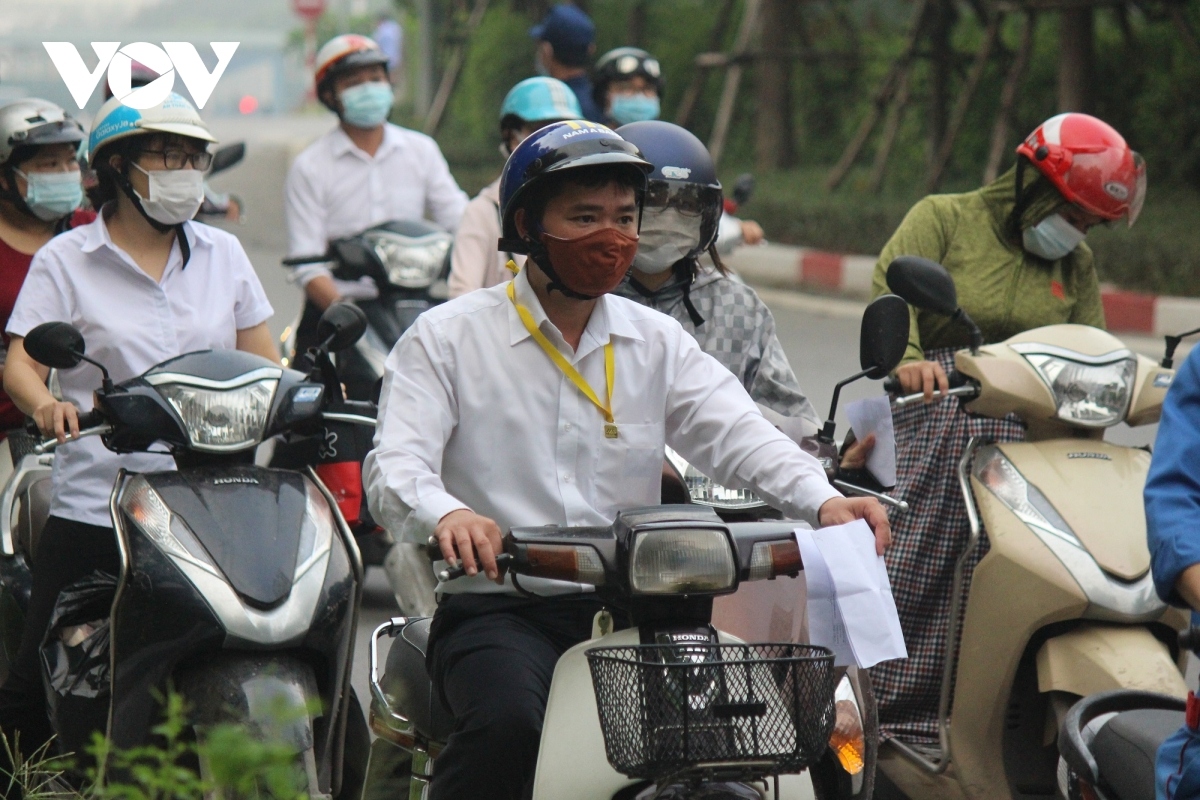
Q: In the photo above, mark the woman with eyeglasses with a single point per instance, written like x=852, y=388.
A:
x=143, y=283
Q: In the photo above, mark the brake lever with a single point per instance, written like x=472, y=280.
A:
x=49, y=445
x=887, y=500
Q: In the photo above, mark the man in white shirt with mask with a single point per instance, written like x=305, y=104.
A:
x=364, y=172
x=548, y=401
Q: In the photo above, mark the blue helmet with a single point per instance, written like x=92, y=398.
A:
x=553, y=150
x=540, y=99
x=684, y=176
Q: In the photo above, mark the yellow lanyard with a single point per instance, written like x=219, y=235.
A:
x=610, y=428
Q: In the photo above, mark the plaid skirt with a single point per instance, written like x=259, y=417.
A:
x=926, y=542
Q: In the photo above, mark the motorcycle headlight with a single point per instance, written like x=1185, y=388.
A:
x=220, y=417
x=1094, y=395
x=704, y=491
x=410, y=263
x=682, y=561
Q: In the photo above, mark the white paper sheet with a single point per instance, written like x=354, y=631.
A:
x=850, y=605
x=874, y=415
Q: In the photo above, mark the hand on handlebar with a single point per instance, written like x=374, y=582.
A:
x=923, y=377
x=57, y=419
x=840, y=510
x=473, y=538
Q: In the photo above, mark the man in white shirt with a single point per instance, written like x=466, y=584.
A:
x=364, y=172
x=482, y=430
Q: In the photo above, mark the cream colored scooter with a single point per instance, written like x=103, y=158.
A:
x=1063, y=605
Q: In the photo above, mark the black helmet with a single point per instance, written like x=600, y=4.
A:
x=684, y=176
x=621, y=65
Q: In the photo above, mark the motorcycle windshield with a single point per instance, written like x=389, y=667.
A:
x=248, y=519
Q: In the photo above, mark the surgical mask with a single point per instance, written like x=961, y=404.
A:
x=1052, y=238
x=367, y=105
x=52, y=195
x=627, y=108
x=175, y=194
x=667, y=237
x=593, y=264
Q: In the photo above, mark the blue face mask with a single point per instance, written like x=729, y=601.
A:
x=52, y=195
x=627, y=108
x=1052, y=238
x=367, y=104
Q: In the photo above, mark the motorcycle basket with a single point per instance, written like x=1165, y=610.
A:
x=667, y=709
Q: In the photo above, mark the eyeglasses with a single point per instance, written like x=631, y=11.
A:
x=178, y=159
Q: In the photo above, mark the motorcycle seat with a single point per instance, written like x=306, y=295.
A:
x=1125, y=749
x=407, y=683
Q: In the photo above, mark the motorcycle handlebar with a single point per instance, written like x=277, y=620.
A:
x=956, y=380
x=295, y=261
x=909, y=399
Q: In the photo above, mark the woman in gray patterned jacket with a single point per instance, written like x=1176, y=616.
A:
x=679, y=224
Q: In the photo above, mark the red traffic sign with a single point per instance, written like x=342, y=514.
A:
x=309, y=9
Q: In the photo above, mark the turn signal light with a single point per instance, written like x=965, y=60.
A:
x=564, y=562
x=848, y=741
x=769, y=560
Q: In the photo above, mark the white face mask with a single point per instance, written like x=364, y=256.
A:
x=1052, y=238
x=175, y=194
x=667, y=236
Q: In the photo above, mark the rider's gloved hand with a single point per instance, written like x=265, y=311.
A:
x=473, y=538
x=840, y=510
x=56, y=418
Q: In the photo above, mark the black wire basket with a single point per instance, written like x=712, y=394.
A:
x=666, y=709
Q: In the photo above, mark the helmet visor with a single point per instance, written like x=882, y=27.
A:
x=1139, y=191
x=690, y=199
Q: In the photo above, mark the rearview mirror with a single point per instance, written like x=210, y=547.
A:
x=55, y=344
x=225, y=157
x=884, y=336
x=341, y=326
x=923, y=283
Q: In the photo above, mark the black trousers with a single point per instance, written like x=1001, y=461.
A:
x=491, y=658
x=66, y=552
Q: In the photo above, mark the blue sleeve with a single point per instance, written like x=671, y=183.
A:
x=1173, y=486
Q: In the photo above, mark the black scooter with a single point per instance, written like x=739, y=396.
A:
x=409, y=261
x=239, y=586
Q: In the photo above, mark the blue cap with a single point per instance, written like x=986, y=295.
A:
x=569, y=31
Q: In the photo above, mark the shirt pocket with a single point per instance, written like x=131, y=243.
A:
x=630, y=466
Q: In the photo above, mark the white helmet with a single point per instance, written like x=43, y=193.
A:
x=115, y=121
x=35, y=122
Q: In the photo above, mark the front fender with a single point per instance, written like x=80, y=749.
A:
x=1100, y=658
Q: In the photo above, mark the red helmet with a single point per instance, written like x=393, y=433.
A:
x=1090, y=164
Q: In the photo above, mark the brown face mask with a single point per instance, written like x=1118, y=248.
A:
x=593, y=264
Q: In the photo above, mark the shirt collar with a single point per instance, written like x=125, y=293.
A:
x=98, y=236
x=343, y=144
x=608, y=319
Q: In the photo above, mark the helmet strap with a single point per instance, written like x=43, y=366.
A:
x=685, y=270
x=1021, y=199
x=122, y=180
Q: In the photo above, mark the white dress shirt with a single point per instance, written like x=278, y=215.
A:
x=130, y=322
x=335, y=189
x=475, y=415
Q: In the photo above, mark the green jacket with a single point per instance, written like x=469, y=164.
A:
x=1003, y=288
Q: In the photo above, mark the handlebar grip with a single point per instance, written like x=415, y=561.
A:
x=91, y=419
x=956, y=380
x=295, y=261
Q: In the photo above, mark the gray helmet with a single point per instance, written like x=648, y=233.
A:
x=34, y=122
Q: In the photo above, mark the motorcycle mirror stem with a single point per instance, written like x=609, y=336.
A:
x=1173, y=342
x=826, y=432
